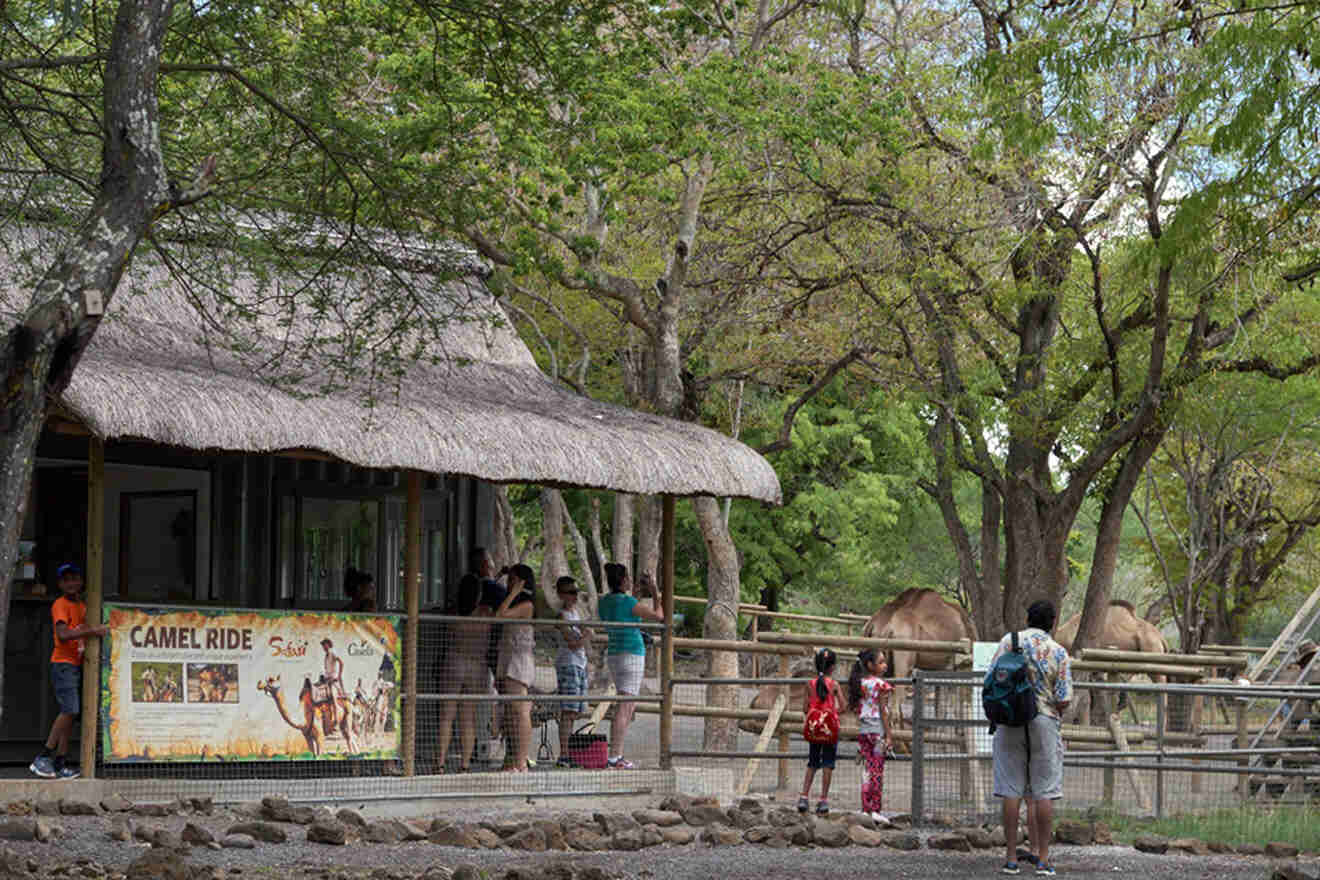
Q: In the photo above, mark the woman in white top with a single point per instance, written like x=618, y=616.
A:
x=516, y=669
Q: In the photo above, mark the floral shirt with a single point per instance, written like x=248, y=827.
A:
x=875, y=697
x=1047, y=667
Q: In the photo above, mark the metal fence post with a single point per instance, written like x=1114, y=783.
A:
x=411, y=596
x=667, y=639
x=1161, y=710
x=918, y=748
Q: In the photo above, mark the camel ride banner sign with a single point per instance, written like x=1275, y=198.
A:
x=215, y=684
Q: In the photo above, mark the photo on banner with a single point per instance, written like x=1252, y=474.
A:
x=203, y=684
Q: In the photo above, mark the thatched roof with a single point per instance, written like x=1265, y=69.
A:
x=156, y=371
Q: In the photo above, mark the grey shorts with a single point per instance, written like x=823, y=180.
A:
x=67, y=680
x=572, y=682
x=1043, y=780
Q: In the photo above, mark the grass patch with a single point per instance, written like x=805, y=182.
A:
x=1298, y=825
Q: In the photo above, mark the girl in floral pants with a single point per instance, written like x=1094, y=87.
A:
x=868, y=696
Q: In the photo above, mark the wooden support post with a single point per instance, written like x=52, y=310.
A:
x=782, y=782
x=762, y=743
x=1121, y=743
x=91, y=670
x=1195, y=725
x=412, y=559
x=667, y=638
x=1243, y=742
x=756, y=658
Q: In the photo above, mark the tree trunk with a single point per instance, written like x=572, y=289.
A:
x=40, y=353
x=504, y=549
x=648, y=536
x=597, y=548
x=587, y=580
x=621, y=529
x=721, y=618
x=554, y=561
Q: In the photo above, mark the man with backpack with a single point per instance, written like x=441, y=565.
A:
x=1028, y=734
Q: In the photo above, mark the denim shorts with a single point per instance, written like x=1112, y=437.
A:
x=67, y=680
x=572, y=683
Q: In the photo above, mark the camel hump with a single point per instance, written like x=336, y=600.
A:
x=1123, y=603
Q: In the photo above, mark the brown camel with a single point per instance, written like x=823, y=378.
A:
x=335, y=715
x=916, y=613
x=1123, y=630
x=920, y=613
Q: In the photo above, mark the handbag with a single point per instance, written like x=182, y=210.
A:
x=588, y=750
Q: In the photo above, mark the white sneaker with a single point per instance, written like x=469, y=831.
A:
x=880, y=820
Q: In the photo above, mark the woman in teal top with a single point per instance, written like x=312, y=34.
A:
x=626, y=653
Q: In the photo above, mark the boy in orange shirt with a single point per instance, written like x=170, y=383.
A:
x=69, y=616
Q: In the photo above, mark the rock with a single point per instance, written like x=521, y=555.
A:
x=467, y=871
x=167, y=839
x=979, y=838
x=238, y=841
x=661, y=818
x=388, y=831
x=1190, y=845
x=529, y=839
x=156, y=810
x=1219, y=846
x=942, y=820
x=351, y=817
x=717, y=834
x=677, y=834
x=760, y=833
x=554, y=834
x=116, y=803
x=651, y=835
x=1151, y=843
x=159, y=864
x=436, y=872
x=11, y=864
x=24, y=828
x=453, y=834
x=1279, y=850
x=45, y=831
x=628, y=840
x=333, y=833
x=1289, y=871
x=784, y=817
x=675, y=803
x=251, y=809
x=1104, y=835
x=951, y=842
x=862, y=819
x=146, y=833
x=613, y=823
x=1249, y=849
x=196, y=835
x=48, y=807
x=586, y=839
x=74, y=807
x=263, y=831
x=751, y=805
x=997, y=837
x=701, y=815
x=20, y=808
x=504, y=828
x=1074, y=832
x=486, y=838
x=276, y=808
x=307, y=815
x=903, y=840
x=901, y=820
x=121, y=828
x=863, y=836
x=203, y=805
x=828, y=833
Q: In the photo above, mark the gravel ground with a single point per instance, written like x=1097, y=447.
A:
x=85, y=839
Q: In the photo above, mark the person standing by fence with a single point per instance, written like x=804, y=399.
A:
x=820, y=728
x=570, y=664
x=1028, y=759
x=626, y=653
x=868, y=696
x=517, y=665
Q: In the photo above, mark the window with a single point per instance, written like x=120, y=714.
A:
x=158, y=545
x=320, y=538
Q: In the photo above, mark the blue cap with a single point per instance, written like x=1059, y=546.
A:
x=67, y=568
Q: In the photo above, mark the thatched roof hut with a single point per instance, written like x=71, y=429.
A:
x=476, y=404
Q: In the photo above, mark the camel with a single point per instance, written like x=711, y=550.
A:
x=334, y=715
x=1124, y=631
x=169, y=690
x=920, y=613
x=212, y=684
x=913, y=614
